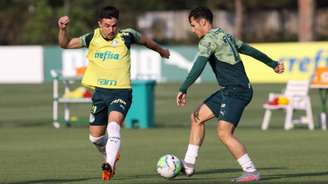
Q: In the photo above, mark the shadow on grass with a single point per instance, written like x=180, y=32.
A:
x=199, y=177
x=54, y=181
x=155, y=179
x=294, y=175
x=234, y=170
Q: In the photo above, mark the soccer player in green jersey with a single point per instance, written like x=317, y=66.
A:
x=221, y=50
x=108, y=72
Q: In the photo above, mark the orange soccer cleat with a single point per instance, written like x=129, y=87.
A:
x=109, y=171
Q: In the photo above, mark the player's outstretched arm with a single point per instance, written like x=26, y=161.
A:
x=194, y=73
x=149, y=43
x=64, y=39
x=255, y=53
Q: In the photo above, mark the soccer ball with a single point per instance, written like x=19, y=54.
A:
x=169, y=166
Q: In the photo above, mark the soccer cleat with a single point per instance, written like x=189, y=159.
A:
x=108, y=170
x=107, y=173
x=187, y=169
x=247, y=177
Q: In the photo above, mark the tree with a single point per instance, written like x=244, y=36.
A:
x=39, y=27
x=305, y=20
x=238, y=18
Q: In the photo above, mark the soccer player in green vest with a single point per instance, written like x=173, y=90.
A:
x=108, y=72
x=221, y=51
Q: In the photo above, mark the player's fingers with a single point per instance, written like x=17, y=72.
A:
x=63, y=21
x=183, y=99
x=281, y=68
x=178, y=100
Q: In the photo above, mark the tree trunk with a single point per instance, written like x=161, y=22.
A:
x=306, y=20
x=238, y=18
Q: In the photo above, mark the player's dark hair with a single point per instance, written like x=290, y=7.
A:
x=201, y=12
x=109, y=12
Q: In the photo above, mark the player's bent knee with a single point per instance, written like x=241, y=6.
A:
x=195, y=119
x=223, y=135
x=98, y=140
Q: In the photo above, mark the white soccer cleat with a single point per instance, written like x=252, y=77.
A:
x=187, y=169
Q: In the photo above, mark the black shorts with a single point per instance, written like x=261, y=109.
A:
x=106, y=100
x=229, y=103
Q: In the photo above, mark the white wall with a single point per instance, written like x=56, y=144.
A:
x=19, y=64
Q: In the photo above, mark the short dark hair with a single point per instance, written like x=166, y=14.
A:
x=201, y=12
x=109, y=12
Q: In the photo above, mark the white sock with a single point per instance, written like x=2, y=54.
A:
x=113, y=143
x=191, y=154
x=100, y=143
x=246, y=163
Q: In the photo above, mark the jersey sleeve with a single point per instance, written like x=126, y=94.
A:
x=86, y=39
x=135, y=35
x=194, y=73
x=206, y=47
x=257, y=54
x=238, y=43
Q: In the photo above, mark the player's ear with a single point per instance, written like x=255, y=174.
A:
x=202, y=21
x=99, y=23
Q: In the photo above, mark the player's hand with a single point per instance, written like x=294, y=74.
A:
x=165, y=53
x=63, y=22
x=181, y=99
x=280, y=68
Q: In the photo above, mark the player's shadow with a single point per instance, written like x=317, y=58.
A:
x=233, y=170
x=54, y=181
x=202, y=172
x=293, y=175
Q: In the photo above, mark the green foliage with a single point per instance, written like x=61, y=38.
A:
x=12, y=16
x=35, y=21
x=38, y=24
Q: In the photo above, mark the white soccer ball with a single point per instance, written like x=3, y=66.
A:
x=169, y=166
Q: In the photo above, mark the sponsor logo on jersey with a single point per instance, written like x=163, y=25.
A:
x=107, y=82
x=106, y=55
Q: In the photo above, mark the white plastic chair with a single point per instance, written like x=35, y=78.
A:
x=298, y=99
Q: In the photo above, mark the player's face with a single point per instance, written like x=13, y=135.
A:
x=197, y=27
x=108, y=27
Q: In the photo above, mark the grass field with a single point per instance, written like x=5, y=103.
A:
x=33, y=152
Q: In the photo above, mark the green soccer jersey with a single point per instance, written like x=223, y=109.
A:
x=221, y=50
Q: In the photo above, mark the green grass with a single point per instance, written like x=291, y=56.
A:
x=33, y=152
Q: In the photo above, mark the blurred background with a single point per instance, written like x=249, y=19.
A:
x=23, y=22
x=294, y=32
x=289, y=31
